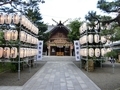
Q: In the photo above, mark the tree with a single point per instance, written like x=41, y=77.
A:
x=74, y=33
x=31, y=9
x=36, y=18
x=113, y=32
x=110, y=7
x=18, y=5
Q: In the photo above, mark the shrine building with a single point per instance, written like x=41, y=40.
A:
x=58, y=43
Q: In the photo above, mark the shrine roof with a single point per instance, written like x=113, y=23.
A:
x=52, y=28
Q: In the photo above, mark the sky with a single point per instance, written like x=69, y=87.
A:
x=61, y=10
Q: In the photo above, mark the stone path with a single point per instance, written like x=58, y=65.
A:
x=59, y=73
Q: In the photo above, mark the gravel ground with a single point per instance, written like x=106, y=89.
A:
x=11, y=79
x=104, y=77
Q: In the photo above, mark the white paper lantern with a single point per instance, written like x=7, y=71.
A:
x=90, y=38
x=90, y=28
x=22, y=36
x=8, y=19
x=26, y=22
x=85, y=52
x=91, y=52
x=84, y=26
x=97, y=52
x=28, y=38
x=33, y=29
x=108, y=26
x=14, y=35
x=80, y=52
x=7, y=35
x=32, y=40
x=36, y=51
x=23, y=20
x=28, y=25
x=80, y=40
x=2, y=18
x=103, y=39
x=103, y=51
x=6, y=52
x=85, y=39
x=37, y=30
x=16, y=18
x=21, y=52
x=96, y=38
x=13, y=52
x=96, y=26
x=24, y=52
x=109, y=49
x=36, y=41
x=30, y=50
x=1, y=52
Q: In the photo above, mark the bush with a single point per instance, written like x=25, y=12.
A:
x=14, y=67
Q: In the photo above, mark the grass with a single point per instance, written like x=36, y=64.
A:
x=4, y=66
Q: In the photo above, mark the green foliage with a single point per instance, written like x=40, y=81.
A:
x=116, y=36
x=18, y=5
x=1, y=37
x=74, y=33
x=114, y=33
x=13, y=67
x=113, y=53
x=34, y=15
x=4, y=66
x=108, y=6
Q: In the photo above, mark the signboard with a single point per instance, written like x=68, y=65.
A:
x=40, y=50
x=77, y=50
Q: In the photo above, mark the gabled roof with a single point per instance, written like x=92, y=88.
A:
x=52, y=28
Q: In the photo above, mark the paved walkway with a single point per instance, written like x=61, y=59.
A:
x=59, y=73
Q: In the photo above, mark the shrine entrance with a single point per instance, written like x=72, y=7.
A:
x=60, y=51
x=58, y=43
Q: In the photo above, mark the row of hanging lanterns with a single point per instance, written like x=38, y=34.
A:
x=13, y=35
x=10, y=35
x=16, y=18
x=83, y=28
x=94, y=52
x=27, y=52
x=92, y=38
x=8, y=52
x=28, y=38
x=26, y=23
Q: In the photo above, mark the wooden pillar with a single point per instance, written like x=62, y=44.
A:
x=48, y=50
x=70, y=52
x=71, y=48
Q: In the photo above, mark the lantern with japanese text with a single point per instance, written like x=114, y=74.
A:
x=14, y=35
x=8, y=19
x=97, y=52
x=91, y=52
x=13, y=52
x=16, y=18
x=6, y=52
x=2, y=18
x=7, y=35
